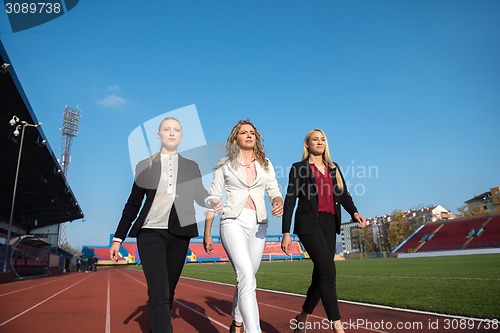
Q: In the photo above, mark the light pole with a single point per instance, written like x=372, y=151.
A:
x=19, y=124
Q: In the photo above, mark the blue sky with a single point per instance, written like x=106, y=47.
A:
x=408, y=92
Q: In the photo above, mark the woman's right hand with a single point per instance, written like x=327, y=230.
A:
x=114, y=250
x=286, y=244
x=208, y=244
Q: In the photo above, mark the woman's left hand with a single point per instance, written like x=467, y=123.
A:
x=208, y=244
x=216, y=204
x=361, y=220
x=277, y=206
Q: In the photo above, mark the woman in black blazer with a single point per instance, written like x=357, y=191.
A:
x=166, y=222
x=320, y=188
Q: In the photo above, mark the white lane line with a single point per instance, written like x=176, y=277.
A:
x=211, y=291
x=203, y=315
x=340, y=301
x=354, y=303
x=184, y=305
x=129, y=276
x=421, y=277
x=322, y=319
x=40, y=303
x=108, y=309
x=231, y=297
x=35, y=286
x=384, y=277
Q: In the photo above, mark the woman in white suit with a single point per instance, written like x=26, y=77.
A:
x=245, y=173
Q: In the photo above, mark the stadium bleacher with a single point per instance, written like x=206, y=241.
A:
x=129, y=253
x=273, y=251
x=102, y=254
x=133, y=252
x=459, y=234
x=453, y=235
x=469, y=233
x=218, y=255
x=422, y=235
x=43, y=197
x=490, y=235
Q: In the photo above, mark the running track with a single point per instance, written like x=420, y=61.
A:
x=114, y=301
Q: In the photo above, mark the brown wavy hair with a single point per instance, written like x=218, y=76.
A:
x=233, y=150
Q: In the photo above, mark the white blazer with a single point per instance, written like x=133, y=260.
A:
x=237, y=190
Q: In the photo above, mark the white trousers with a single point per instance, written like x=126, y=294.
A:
x=243, y=239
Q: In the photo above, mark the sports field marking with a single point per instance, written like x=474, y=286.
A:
x=182, y=304
x=40, y=303
x=355, y=303
x=211, y=291
x=422, y=277
x=383, y=277
x=108, y=308
x=265, y=304
x=129, y=276
x=203, y=315
x=318, y=317
x=413, y=311
x=35, y=286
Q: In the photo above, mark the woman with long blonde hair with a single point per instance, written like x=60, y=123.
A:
x=317, y=183
x=245, y=174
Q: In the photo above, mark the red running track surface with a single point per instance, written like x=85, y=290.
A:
x=114, y=300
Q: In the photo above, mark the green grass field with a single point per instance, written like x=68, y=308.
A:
x=459, y=285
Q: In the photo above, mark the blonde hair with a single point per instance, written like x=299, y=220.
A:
x=152, y=157
x=233, y=150
x=326, y=156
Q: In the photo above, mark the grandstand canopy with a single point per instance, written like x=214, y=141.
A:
x=43, y=196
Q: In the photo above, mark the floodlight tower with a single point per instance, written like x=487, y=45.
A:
x=69, y=132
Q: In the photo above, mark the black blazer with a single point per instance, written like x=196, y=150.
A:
x=301, y=185
x=189, y=188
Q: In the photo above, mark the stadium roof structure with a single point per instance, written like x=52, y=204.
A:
x=43, y=196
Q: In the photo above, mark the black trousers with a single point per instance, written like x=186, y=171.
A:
x=162, y=256
x=320, y=246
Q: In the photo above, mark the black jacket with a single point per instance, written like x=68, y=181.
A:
x=301, y=185
x=189, y=188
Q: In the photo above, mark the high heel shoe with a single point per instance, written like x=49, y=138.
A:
x=301, y=325
x=233, y=327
